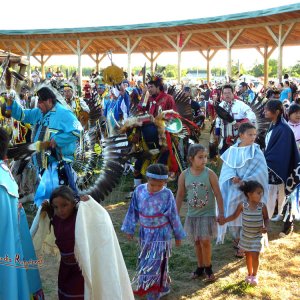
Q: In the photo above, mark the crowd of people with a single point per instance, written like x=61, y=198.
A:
x=254, y=180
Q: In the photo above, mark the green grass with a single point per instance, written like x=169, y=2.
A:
x=279, y=272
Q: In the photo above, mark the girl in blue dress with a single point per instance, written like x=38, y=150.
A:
x=153, y=206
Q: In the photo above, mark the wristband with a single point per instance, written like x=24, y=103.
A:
x=8, y=107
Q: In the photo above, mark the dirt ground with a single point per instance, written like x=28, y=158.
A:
x=279, y=268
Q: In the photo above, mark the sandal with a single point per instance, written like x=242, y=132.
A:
x=210, y=277
x=198, y=273
x=239, y=253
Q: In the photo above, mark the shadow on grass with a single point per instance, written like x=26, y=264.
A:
x=240, y=288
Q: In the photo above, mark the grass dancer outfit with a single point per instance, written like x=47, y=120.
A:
x=59, y=124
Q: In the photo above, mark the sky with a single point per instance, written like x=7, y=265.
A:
x=37, y=14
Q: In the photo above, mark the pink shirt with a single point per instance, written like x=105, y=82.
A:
x=296, y=130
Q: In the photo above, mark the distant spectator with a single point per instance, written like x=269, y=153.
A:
x=49, y=74
x=36, y=76
x=286, y=92
x=58, y=74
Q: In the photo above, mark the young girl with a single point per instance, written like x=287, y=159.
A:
x=200, y=185
x=243, y=161
x=153, y=205
x=70, y=279
x=254, y=222
x=91, y=266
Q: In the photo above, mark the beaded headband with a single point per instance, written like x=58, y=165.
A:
x=156, y=176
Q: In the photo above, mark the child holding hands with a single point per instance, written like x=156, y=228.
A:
x=255, y=221
x=201, y=186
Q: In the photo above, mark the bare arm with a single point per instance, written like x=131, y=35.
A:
x=214, y=182
x=237, y=212
x=181, y=191
x=266, y=219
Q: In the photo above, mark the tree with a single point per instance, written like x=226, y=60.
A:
x=273, y=66
x=295, y=70
x=257, y=70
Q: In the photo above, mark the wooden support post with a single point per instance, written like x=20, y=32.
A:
x=78, y=51
x=128, y=49
x=79, y=66
x=279, y=65
x=229, y=63
x=152, y=58
x=208, y=57
x=266, y=53
x=179, y=46
x=228, y=43
x=97, y=60
x=279, y=40
x=42, y=61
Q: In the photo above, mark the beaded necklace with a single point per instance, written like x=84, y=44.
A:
x=196, y=202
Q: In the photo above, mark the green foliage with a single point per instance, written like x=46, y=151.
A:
x=273, y=66
x=217, y=71
x=295, y=70
x=257, y=70
x=238, y=68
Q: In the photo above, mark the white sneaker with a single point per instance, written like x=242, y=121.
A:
x=254, y=280
x=277, y=218
x=248, y=279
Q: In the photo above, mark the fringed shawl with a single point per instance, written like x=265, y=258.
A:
x=246, y=163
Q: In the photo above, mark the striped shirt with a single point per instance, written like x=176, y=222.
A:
x=252, y=223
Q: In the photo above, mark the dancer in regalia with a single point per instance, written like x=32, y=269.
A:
x=153, y=205
x=19, y=274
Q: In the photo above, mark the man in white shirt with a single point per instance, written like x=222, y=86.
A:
x=240, y=112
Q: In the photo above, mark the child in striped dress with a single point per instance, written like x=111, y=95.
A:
x=254, y=223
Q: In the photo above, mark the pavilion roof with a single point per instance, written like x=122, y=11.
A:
x=250, y=29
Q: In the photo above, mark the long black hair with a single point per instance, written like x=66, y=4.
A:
x=273, y=106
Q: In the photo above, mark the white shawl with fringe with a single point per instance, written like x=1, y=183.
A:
x=99, y=255
x=246, y=163
x=97, y=252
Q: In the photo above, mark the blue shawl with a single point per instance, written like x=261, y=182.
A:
x=282, y=156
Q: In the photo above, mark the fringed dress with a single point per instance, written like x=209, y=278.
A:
x=158, y=219
x=70, y=279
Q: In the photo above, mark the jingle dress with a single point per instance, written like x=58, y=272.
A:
x=158, y=219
